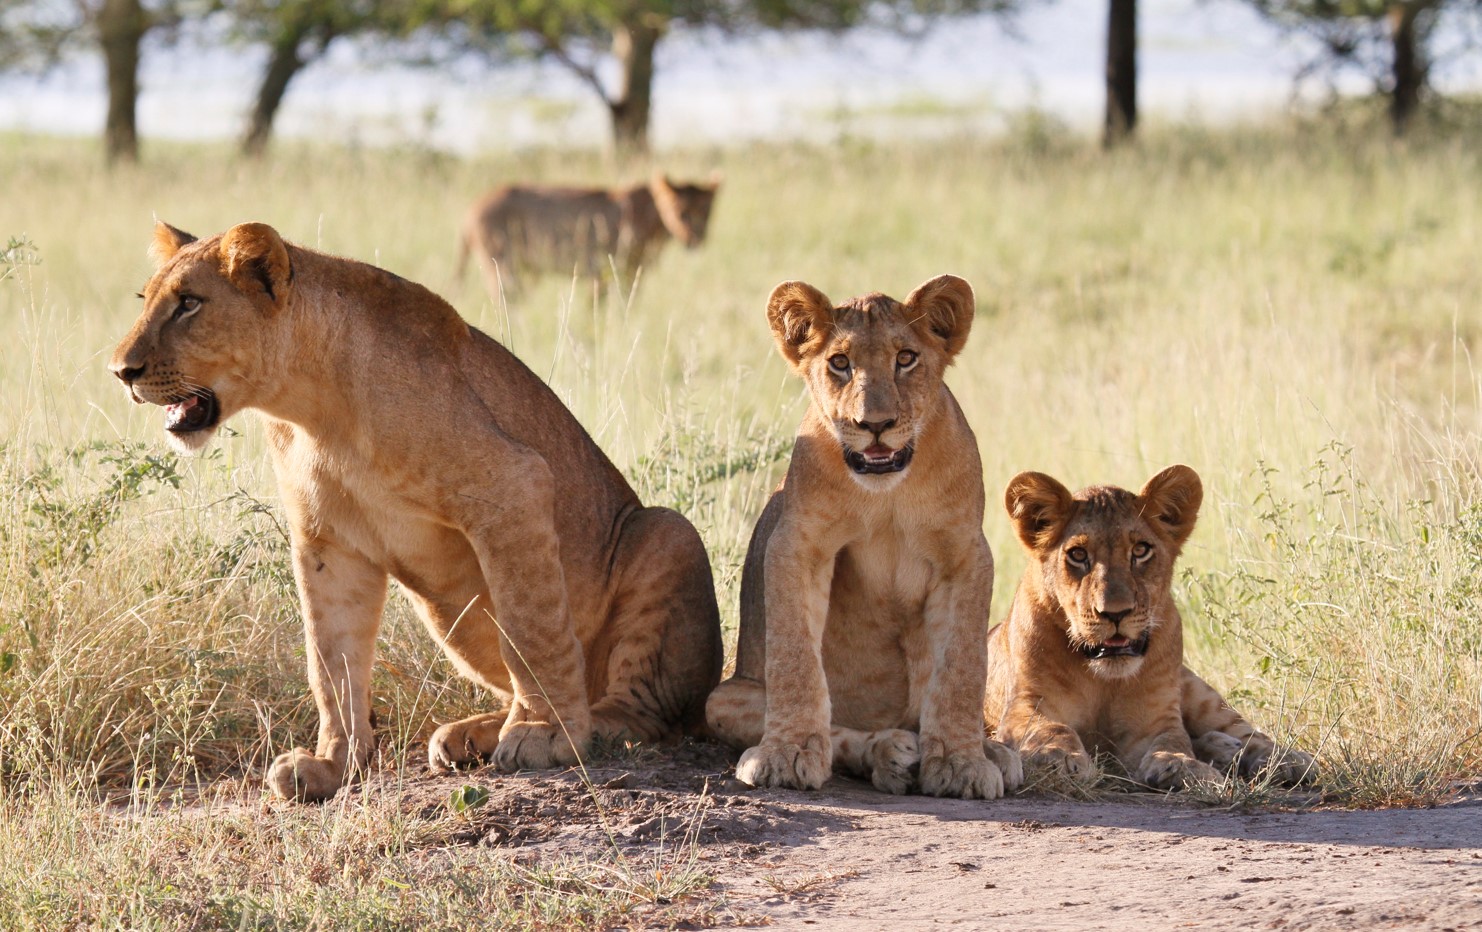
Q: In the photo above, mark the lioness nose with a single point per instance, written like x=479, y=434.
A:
x=1115, y=617
x=877, y=427
x=125, y=373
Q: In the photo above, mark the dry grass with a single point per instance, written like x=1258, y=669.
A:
x=1289, y=310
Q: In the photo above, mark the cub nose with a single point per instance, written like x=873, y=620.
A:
x=126, y=373
x=877, y=427
x=1115, y=617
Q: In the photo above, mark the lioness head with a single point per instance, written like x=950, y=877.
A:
x=1107, y=557
x=197, y=349
x=874, y=365
x=684, y=208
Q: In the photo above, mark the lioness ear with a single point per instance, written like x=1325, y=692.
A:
x=1172, y=498
x=254, y=256
x=1039, y=506
x=943, y=308
x=799, y=315
x=167, y=241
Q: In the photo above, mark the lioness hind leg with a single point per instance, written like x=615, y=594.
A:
x=1224, y=739
x=665, y=652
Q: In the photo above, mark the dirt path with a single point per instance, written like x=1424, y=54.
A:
x=851, y=858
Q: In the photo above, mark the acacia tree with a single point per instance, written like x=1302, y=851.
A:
x=1121, y=72
x=1388, y=40
x=39, y=34
x=581, y=34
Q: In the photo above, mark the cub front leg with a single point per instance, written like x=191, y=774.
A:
x=342, y=595
x=954, y=761
x=1157, y=750
x=1044, y=739
x=796, y=750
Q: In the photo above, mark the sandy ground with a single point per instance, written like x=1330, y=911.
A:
x=852, y=858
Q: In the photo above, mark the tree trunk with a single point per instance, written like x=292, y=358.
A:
x=121, y=26
x=1409, y=65
x=1121, y=72
x=633, y=45
x=284, y=62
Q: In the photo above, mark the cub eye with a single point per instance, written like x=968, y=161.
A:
x=1078, y=556
x=839, y=363
x=1142, y=551
x=905, y=359
x=189, y=304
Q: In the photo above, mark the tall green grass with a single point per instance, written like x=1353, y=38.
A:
x=1290, y=310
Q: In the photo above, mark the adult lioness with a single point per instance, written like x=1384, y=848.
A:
x=528, y=229
x=865, y=593
x=409, y=445
x=1091, y=656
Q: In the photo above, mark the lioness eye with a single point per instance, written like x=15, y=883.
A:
x=905, y=359
x=189, y=304
x=1077, y=555
x=839, y=363
x=1142, y=551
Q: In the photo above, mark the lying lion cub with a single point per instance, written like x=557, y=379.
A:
x=409, y=445
x=529, y=229
x=864, y=598
x=1091, y=656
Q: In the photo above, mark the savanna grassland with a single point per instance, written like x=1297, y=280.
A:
x=1290, y=309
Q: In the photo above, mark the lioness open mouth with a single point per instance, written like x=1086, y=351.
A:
x=1116, y=647
x=878, y=458
x=197, y=411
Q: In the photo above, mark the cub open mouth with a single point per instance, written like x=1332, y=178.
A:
x=1116, y=647
x=878, y=458
x=197, y=411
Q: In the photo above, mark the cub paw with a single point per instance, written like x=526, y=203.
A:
x=533, y=746
x=805, y=766
x=1075, y=764
x=967, y=774
x=460, y=744
x=1009, y=763
x=1288, y=767
x=1220, y=750
x=894, y=755
x=299, y=775
x=1166, y=770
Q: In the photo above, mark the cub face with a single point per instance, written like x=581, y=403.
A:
x=198, y=346
x=873, y=365
x=1107, y=557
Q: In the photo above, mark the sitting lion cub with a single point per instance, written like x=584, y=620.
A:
x=528, y=229
x=1091, y=656
x=864, y=598
x=408, y=445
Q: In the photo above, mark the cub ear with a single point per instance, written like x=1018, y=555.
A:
x=1039, y=506
x=800, y=315
x=254, y=256
x=716, y=177
x=167, y=241
x=943, y=308
x=1172, y=498
x=666, y=202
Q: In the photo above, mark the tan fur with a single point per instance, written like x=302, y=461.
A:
x=410, y=446
x=864, y=598
x=1102, y=567
x=523, y=230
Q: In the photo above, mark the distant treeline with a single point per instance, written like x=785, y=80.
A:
x=1388, y=40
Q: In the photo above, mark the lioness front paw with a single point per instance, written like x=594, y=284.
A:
x=964, y=774
x=463, y=743
x=1010, y=764
x=894, y=755
x=299, y=775
x=1170, y=770
x=1075, y=764
x=534, y=746
x=805, y=766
